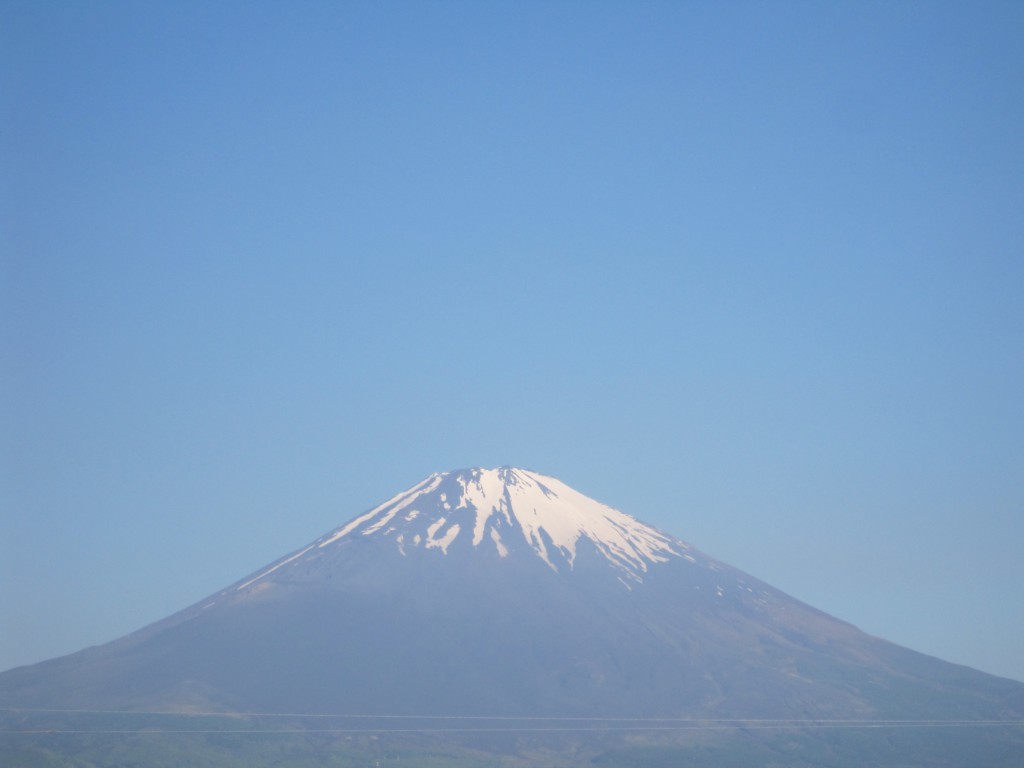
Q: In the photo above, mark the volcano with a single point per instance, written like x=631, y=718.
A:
x=505, y=592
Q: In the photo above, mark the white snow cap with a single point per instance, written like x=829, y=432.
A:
x=497, y=507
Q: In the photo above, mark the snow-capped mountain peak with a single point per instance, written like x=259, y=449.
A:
x=503, y=510
x=506, y=594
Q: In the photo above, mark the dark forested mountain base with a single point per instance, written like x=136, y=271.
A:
x=246, y=744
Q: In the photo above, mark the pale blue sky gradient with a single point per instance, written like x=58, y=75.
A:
x=752, y=272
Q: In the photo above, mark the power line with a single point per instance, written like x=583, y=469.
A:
x=551, y=723
x=496, y=718
x=583, y=729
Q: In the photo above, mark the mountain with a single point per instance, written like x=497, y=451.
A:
x=506, y=593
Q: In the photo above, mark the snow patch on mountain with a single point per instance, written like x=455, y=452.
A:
x=496, y=538
x=444, y=541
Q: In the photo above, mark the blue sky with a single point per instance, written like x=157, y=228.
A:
x=751, y=272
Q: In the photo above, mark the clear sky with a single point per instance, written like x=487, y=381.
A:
x=752, y=272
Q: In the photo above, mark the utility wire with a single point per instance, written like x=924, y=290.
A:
x=577, y=729
x=525, y=718
x=548, y=723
